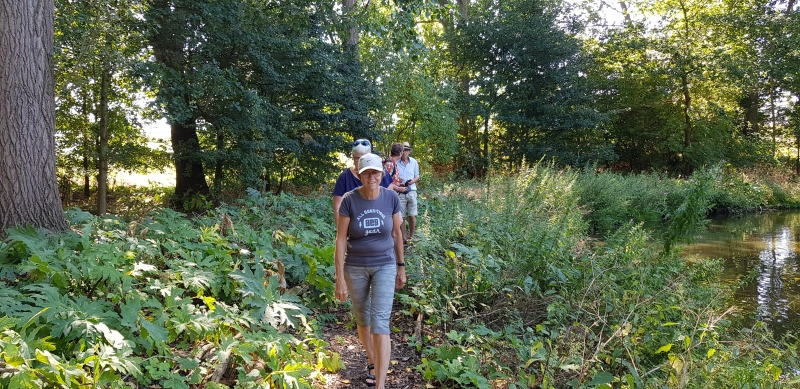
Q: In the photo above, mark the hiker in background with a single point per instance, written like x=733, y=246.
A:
x=409, y=174
x=391, y=166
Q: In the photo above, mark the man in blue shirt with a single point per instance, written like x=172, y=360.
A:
x=408, y=168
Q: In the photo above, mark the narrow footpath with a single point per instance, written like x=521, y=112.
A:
x=345, y=342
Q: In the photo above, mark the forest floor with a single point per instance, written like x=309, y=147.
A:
x=343, y=340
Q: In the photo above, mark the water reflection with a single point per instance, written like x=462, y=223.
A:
x=763, y=246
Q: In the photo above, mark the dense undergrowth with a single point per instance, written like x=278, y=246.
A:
x=530, y=301
x=508, y=281
x=168, y=300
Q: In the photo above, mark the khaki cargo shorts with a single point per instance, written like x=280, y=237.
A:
x=408, y=203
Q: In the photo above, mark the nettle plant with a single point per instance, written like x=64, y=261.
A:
x=218, y=301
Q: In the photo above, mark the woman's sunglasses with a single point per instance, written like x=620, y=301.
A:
x=362, y=142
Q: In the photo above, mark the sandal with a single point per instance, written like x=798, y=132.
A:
x=370, y=381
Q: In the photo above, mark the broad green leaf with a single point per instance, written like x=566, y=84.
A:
x=665, y=348
x=602, y=377
x=158, y=333
x=129, y=310
x=24, y=380
x=173, y=383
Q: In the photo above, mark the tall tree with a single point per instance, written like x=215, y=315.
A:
x=259, y=93
x=401, y=46
x=676, y=84
x=28, y=186
x=528, y=81
x=98, y=46
x=469, y=146
x=173, y=37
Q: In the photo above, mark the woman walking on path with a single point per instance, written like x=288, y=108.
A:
x=369, y=262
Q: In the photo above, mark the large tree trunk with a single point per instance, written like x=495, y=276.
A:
x=687, y=96
x=189, y=173
x=168, y=49
x=87, y=185
x=687, y=108
x=218, y=172
x=86, y=143
x=28, y=184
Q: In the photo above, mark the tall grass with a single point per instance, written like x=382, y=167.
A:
x=611, y=200
x=506, y=269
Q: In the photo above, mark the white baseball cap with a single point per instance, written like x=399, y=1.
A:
x=370, y=161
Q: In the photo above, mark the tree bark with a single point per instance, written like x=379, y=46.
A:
x=687, y=106
x=218, y=172
x=102, y=143
x=685, y=63
x=28, y=184
x=87, y=185
x=773, y=115
x=751, y=104
x=624, y=6
x=86, y=141
x=168, y=49
x=352, y=28
x=190, y=177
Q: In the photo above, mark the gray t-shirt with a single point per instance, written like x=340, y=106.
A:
x=369, y=234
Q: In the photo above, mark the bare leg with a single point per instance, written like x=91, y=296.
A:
x=412, y=226
x=383, y=351
x=366, y=341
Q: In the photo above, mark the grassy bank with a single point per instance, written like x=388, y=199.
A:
x=506, y=283
x=614, y=199
x=530, y=300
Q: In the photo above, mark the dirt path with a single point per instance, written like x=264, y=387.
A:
x=345, y=342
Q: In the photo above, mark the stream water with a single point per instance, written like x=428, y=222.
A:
x=760, y=249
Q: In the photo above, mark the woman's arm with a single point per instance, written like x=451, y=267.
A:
x=338, y=256
x=397, y=235
x=337, y=202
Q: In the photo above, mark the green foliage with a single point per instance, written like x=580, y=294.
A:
x=612, y=200
x=501, y=267
x=569, y=312
x=689, y=219
x=125, y=201
x=517, y=57
x=419, y=105
x=93, y=39
x=168, y=300
x=478, y=247
x=745, y=190
x=690, y=89
x=266, y=93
